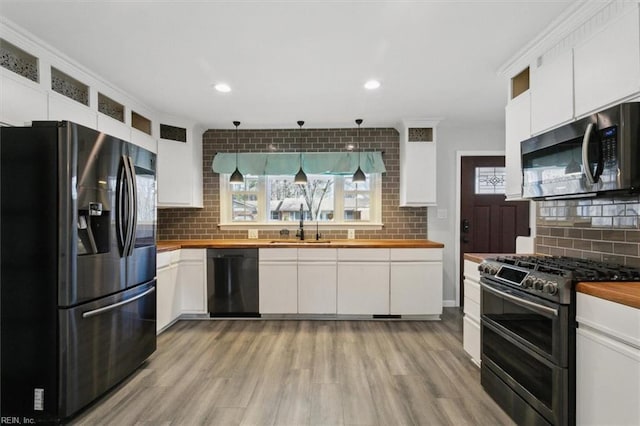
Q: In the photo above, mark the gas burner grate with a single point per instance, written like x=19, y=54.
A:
x=574, y=268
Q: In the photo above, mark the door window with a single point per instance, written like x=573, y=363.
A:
x=490, y=180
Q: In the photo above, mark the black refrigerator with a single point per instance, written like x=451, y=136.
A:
x=78, y=267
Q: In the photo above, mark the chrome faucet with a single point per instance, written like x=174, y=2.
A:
x=300, y=233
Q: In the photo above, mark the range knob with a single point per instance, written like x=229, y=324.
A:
x=550, y=288
x=492, y=269
x=528, y=282
x=538, y=284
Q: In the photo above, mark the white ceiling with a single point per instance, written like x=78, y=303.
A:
x=297, y=60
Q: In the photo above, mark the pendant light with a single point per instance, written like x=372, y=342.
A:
x=236, y=176
x=358, y=176
x=301, y=176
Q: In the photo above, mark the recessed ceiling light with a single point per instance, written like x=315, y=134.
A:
x=372, y=84
x=222, y=87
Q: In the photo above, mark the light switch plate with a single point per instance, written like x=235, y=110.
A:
x=351, y=234
x=253, y=234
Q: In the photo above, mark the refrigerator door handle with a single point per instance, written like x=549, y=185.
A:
x=113, y=306
x=133, y=211
x=128, y=241
x=120, y=206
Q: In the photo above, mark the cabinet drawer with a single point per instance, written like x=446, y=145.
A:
x=471, y=270
x=472, y=290
x=278, y=254
x=472, y=309
x=317, y=254
x=412, y=254
x=614, y=319
x=471, y=338
x=163, y=260
x=193, y=254
x=363, y=255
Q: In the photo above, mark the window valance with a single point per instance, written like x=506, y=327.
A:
x=281, y=163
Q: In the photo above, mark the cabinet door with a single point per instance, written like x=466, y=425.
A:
x=363, y=288
x=20, y=102
x=278, y=283
x=63, y=108
x=607, y=65
x=193, y=287
x=168, y=297
x=517, y=129
x=317, y=282
x=416, y=288
x=113, y=127
x=174, y=173
x=471, y=340
x=552, y=92
x=607, y=380
x=418, y=174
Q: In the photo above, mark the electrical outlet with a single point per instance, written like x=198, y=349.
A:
x=253, y=234
x=351, y=234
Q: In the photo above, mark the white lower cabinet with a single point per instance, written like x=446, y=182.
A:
x=415, y=282
x=168, y=297
x=193, y=280
x=317, y=281
x=471, y=321
x=180, y=285
x=278, y=280
x=363, y=288
x=317, y=287
x=607, y=362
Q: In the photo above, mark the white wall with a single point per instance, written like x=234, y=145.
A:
x=489, y=137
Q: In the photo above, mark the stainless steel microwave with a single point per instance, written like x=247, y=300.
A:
x=596, y=154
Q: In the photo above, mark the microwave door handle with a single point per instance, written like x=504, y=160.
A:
x=585, y=154
x=520, y=301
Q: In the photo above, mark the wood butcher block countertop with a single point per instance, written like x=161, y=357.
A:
x=618, y=292
x=274, y=243
x=625, y=293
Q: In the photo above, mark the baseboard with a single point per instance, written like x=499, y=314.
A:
x=449, y=304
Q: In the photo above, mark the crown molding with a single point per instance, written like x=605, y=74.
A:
x=562, y=26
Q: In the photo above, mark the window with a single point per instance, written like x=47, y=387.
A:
x=490, y=180
x=276, y=200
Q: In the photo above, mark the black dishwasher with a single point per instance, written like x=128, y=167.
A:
x=232, y=282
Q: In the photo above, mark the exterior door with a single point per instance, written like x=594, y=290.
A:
x=489, y=224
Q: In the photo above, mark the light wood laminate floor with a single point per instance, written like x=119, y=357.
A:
x=267, y=372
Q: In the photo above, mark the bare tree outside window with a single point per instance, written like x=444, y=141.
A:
x=285, y=198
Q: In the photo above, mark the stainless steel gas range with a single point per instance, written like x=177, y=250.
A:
x=528, y=332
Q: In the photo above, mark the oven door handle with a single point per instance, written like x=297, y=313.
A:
x=520, y=301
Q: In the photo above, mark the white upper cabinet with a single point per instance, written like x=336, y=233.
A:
x=21, y=101
x=113, y=127
x=517, y=129
x=180, y=170
x=551, y=92
x=607, y=65
x=418, y=163
x=63, y=108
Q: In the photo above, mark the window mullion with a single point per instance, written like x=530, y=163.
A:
x=338, y=199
